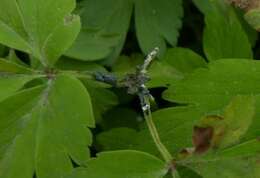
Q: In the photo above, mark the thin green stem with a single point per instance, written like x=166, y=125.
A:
x=155, y=135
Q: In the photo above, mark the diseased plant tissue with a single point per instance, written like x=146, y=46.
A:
x=129, y=89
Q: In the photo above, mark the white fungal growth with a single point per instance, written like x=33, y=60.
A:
x=149, y=59
x=146, y=108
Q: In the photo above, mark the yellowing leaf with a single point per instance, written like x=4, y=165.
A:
x=220, y=132
x=211, y=89
x=239, y=161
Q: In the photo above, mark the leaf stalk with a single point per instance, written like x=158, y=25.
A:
x=154, y=132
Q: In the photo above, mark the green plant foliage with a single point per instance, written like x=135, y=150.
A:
x=174, y=126
x=235, y=122
x=204, y=6
x=104, y=34
x=118, y=139
x=102, y=99
x=184, y=60
x=207, y=6
x=39, y=28
x=151, y=26
x=224, y=42
x=229, y=155
x=12, y=57
x=42, y=126
x=8, y=67
x=113, y=118
x=12, y=78
x=219, y=82
x=10, y=84
x=2, y=50
x=238, y=161
x=176, y=63
x=68, y=64
x=129, y=88
x=127, y=64
x=237, y=117
x=115, y=164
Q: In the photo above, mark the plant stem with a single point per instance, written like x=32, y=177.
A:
x=154, y=133
x=145, y=96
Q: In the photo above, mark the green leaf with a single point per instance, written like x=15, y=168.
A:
x=207, y=6
x=41, y=130
x=13, y=77
x=236, y=162
x=102, y=99
x=68, y=64
x=118, y=164
x=184, y=60
x=204, y=6
x=2, y=50
x=101, y=32
x=11, y=67
x=126, y=64
x=9, y=84
x=112, y=58
x=185, y=172
x=90, y=45
x=208, y=91
x=113, y=118
x=211, y=89
x=238, y=117
x=224, y=36
x=162, y=74
x=44, y=28
x=157, y=23
x=117, y=139
x=175, y=127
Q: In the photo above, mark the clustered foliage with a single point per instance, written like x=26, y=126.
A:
x=68, y=67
